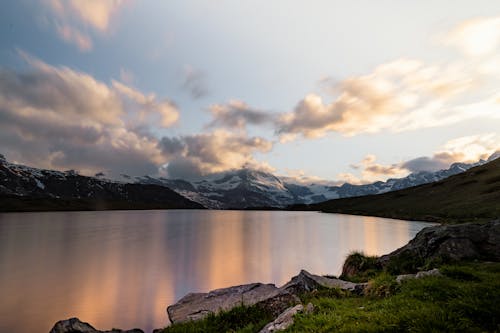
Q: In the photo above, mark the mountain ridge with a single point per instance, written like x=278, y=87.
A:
x=470, y=195
x=23, y=188
x=249, y=189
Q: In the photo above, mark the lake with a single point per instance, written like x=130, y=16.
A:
x=123, y=268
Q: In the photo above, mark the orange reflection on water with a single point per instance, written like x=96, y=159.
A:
x=122, y=269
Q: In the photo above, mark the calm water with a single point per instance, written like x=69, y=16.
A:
x=122, y=268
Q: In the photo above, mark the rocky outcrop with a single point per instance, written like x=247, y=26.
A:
x=305, y=282
x=274, y=300
x=74, y=325
x=196, y=306
x=449, y=242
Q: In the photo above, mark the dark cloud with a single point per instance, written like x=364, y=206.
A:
x=237, y=114
x=194, y=82
x=425, y=164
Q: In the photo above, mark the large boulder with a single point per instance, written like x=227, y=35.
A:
x=197, y=306
x=306, y=282
x=447, y=242
x=74, y=325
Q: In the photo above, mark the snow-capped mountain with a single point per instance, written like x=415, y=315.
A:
x=26, y=188
x=252, y=189
x=237, y=189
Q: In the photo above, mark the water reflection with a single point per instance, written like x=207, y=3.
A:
x=121, y=269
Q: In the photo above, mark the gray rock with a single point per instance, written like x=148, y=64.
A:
x=306, y=282
x=196, y=306
x=403, y=277
x=432, y=272
x=419, y=275
x=74, y=325
x=283, y=321
x=451, y=242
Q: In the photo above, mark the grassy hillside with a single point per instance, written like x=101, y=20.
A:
x=472, y=195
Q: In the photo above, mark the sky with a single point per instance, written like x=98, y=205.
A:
x=343, y=91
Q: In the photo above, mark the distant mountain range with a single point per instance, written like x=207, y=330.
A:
x=467, y=196
x=29, y=189
x=245, y=188
x=26, y=188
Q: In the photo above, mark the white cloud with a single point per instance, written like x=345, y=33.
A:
x=398, y=96
x=476, y=37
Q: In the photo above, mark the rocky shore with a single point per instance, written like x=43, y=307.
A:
x=431, y=246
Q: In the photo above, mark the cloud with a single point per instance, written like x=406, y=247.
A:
x=150, y=108
x=193, y=156
x=372, y=171
x=468, y=149
x=74, y=36
x=194, y=82
x=237, y=115
x=398, y=96
x=56, y=117
x=476, y=37
x=74, y=19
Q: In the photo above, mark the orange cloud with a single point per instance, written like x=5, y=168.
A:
x=74, y=18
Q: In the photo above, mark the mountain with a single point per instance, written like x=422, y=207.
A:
x=473, y=194
x=26, y=188
x=29, y=189
x=245, y=188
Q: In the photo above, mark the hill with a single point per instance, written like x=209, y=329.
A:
x=473, y=194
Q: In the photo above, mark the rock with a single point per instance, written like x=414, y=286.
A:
x=284, y=320
x=432, y=272
x=419, y=275
x=449, y=242
x=306, y=282
x=196, y=306
x=309, y=308
x=402, y=277
x=74, y=325
x=277, y=303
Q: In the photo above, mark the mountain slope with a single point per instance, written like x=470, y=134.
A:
x=29, y=189
x=473, y=194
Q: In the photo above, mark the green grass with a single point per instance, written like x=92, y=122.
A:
x=470, y=196
x=465, y=299
x=241, y=319
x=360, y=267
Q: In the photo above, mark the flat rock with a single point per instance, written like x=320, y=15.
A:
x=306, y=282
x=283, y=321
x=196, y=306
x=419, y=275
x=74, y=325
